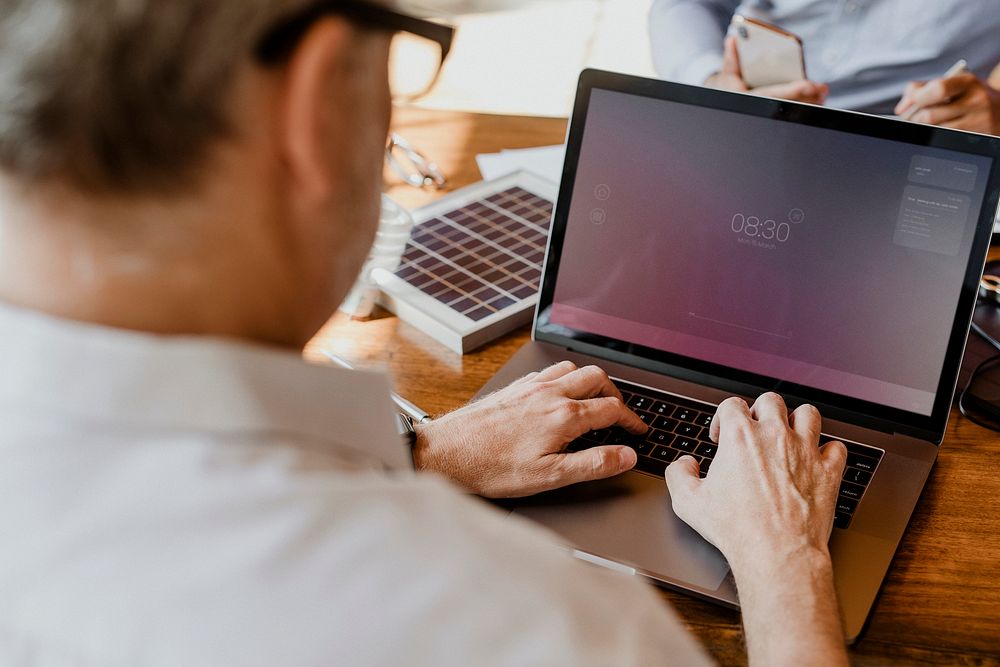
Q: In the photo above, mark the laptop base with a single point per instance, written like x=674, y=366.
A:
x=628, y=522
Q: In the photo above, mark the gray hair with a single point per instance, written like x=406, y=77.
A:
x=122, y=96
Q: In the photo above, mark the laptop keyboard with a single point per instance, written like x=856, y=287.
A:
x=678, y=426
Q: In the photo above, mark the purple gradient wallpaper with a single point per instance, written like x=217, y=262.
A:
x=819, y=257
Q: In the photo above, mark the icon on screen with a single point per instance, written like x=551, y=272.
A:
x=602, y=192
x=598, y=216
x=796, y=215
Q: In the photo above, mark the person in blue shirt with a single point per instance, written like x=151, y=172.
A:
x=877, y=56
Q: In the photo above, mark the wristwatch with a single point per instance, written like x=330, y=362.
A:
x=405, y=425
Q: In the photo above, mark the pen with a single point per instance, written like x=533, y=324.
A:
x=960, y=66
x=411, y=410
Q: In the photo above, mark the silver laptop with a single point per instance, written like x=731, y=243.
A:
x=708, y=244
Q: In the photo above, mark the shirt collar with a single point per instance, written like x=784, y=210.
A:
x=194, y=383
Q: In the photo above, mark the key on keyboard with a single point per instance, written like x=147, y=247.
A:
x=679, y=427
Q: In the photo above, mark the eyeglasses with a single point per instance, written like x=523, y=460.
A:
x=417, y=63
x=415, y=66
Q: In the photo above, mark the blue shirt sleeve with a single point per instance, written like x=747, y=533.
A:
x=686, y=37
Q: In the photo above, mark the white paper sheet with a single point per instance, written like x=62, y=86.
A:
x=543, y=161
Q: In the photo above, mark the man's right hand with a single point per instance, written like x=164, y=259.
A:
x=730, y=77
x=768, y=504
x=771, y=488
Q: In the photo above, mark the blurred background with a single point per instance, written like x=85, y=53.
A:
x=531, y=51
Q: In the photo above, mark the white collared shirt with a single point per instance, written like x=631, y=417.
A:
x=189, y=501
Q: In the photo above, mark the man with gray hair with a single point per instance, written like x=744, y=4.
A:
x=187, y=191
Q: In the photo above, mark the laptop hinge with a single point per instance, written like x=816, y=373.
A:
x=739, y=388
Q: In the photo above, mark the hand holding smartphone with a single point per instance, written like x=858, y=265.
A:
x=774, y=65
x=768, y=55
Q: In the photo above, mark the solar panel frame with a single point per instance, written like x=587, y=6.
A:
x=474, y=264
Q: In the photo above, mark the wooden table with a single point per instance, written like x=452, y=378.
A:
x=940, y=602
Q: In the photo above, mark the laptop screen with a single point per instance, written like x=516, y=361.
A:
x=815, y=256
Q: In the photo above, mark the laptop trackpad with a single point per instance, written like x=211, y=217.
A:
x=628, y=520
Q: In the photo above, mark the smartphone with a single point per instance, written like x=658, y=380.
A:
x=768, y=54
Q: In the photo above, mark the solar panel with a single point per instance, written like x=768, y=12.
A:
x=472, y=268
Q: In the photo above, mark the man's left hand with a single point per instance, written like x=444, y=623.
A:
x=512, y=443
x=962, y=102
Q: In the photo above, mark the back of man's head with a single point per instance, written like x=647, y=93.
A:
x=120, y=96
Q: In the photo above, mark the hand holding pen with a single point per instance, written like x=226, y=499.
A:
x=958, y=100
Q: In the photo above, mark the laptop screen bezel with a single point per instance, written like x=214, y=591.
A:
x=834, y=406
